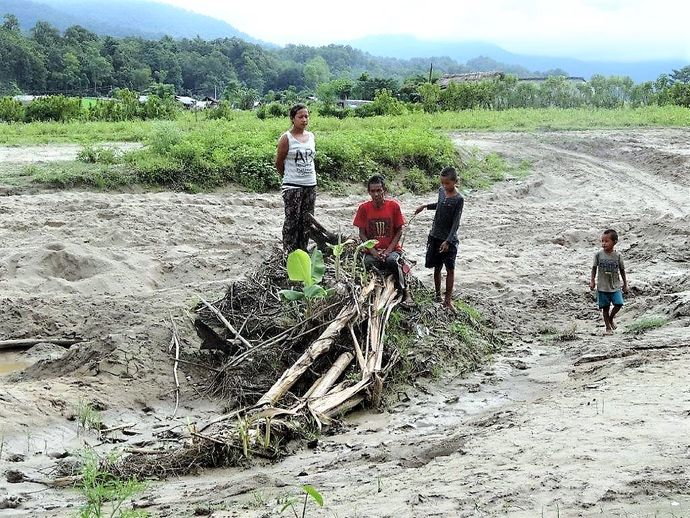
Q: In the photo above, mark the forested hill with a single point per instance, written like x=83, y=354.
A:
x=121, y=18
x=405, y=47
x=45, y=59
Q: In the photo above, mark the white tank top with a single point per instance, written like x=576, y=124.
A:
x=299, y=162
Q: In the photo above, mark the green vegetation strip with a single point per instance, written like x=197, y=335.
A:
x=480, y=120
x=192, y=153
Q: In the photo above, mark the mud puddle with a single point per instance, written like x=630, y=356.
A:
x=12, y=361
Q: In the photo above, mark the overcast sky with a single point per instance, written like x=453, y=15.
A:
x=592, y=29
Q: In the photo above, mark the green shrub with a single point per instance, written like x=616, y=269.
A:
x=11, y=110
x=111, y=111
x=418, y=182
x=164, y=137
x=333, y=110
x=384, y=104
x=680, y=94
x=53, y=108
x=224, y=110
x=97, y=155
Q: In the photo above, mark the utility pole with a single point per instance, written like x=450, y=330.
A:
x=431, y=69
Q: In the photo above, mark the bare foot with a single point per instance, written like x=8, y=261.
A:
x=438, y=298
x=448, y=306
x=407, y=300
x=608, y=331
x=613, y=325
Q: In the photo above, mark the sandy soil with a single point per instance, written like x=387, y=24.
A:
x=563, y=422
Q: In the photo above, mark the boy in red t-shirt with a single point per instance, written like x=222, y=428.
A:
x=382, y=219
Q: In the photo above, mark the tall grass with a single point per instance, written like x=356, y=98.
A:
x=194, y=152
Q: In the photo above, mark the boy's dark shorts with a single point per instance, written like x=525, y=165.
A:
x=435, y=259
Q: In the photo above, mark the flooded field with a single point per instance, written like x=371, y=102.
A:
x=563, y=421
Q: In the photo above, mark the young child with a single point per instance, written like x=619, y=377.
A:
x=442, y=245
x=608, y=269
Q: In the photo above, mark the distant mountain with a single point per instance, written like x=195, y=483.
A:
x=122, y=18
x=408, y=47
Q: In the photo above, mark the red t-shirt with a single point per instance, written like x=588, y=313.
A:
x=380, y=223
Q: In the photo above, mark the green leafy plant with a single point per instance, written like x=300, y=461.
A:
x=105, y=494
x=309, y=492
x=97, y=155
x=367, y=245
x=338, y=250
x=307, y=270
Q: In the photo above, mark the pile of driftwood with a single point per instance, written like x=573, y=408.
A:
x=289, y=368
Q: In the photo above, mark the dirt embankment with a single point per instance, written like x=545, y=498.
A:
x=563, y=422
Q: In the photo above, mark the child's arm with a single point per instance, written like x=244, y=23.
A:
x=625, y=280
x=429, y=206
x=595, y=264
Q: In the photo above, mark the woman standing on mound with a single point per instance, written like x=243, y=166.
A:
x=295, y=163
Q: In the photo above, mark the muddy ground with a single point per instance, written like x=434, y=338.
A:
x=564, y=421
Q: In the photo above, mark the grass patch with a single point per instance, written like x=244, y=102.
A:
x=88, y=418
x=67, y=175
x=106, y=494
x=35, y=133
x=645, y=324
x=475, y=120
x=430, y=341
x=97, y=155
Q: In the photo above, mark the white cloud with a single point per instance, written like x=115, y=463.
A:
x=593, y=29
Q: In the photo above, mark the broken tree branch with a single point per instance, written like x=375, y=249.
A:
x=176, y=341
x=327, y=380
x=225, y=322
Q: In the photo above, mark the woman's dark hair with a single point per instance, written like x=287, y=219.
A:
x=376, y=179
x=297, y=107
x=612, y=234
x=450, y=173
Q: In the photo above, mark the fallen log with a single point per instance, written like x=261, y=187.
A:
x=332, y=400
x=325, y=382
x=26, y=343
x=320, y=346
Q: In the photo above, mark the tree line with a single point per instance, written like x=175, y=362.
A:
x=78, y=62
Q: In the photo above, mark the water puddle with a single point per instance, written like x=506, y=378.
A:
x=12, y=361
